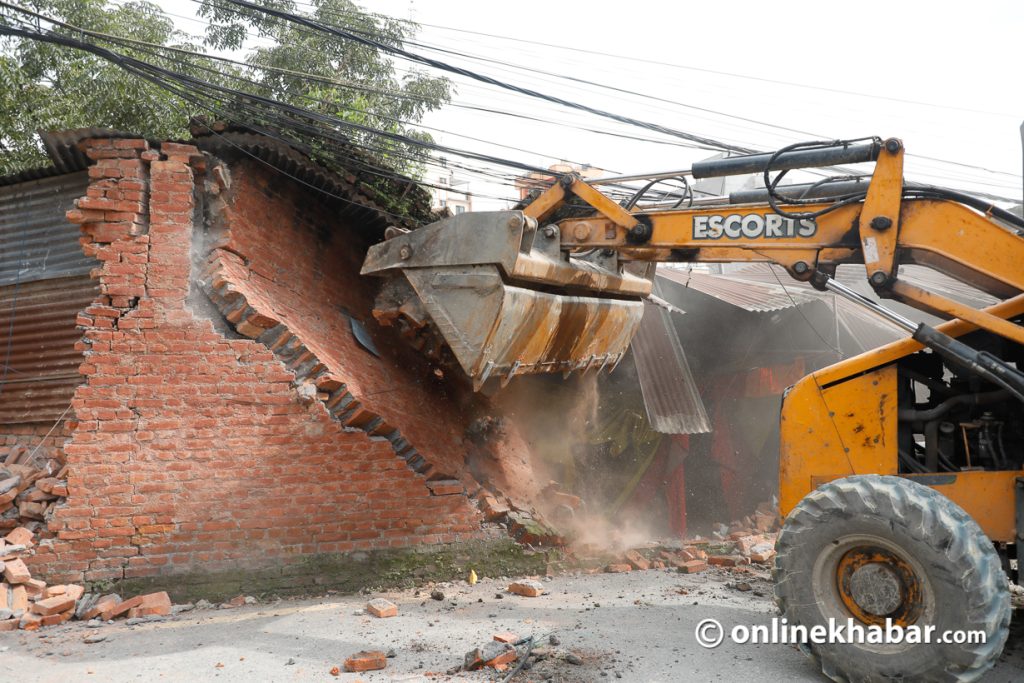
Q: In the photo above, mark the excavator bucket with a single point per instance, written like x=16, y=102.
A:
x=495, y=295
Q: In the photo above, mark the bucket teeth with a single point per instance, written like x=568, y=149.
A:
x=474, y=292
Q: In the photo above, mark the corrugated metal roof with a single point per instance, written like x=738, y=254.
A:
x=854, y=275
x=36, y=239
x=952, y=288
x=41, y=360
x=292, y=159
x=748, y=294
x=755, y=287
x=62, y=145
x=65, y=156
x=867, y=330
x=361, y=202
x=44, y=284
x=671, y=399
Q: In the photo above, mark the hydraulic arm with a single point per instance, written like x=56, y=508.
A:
x=529, y=291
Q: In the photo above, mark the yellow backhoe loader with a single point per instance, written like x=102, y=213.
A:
x=901, y=470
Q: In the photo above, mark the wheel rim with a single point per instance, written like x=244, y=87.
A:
x=871, y=579
x=876, y=584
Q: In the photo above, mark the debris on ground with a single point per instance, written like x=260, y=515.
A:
x=494, y=654
x=29, y=604
x=31, y=485
x=528, y=588
x=367, y=660
x=381, y=608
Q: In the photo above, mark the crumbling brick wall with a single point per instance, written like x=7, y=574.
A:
x=192, y=448
x=297, y=265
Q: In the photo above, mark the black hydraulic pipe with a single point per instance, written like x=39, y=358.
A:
x=801, y=191
x=913, y=415
x=808, y=158
x=980, y=363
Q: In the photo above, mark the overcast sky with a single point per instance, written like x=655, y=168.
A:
x=942, y=75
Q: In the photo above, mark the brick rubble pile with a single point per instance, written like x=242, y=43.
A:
x=27, y=603
x=750, y=540
x=31, y=485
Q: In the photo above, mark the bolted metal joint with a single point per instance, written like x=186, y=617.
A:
x=550, y=231
x=642, y=232
x=879, y=278
x=881, y=223
x=892, y=145
x=405, y=253
x=801, y=267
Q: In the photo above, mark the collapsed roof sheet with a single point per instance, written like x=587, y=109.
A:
x=670, y=394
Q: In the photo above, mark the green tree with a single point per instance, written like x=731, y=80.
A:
x=47, y=87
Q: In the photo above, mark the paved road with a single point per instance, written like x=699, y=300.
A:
x=631, y=627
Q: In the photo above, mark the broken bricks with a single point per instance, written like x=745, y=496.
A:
x=692, y=566
x=381, y=608
x=15, y=571
x=20, y=536
x=637, y=560
x=494, y=654
x=528, y=588
x=54, y=605
x=727, y=560
x=27, y=487
x=154, y=604
x=367, y=660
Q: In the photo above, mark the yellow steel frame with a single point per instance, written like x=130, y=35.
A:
x=841, y=420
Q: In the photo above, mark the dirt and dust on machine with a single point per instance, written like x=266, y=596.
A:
x=900, y=475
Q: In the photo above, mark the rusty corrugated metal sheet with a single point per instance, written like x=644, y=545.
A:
x=44, y=283
x=749, y=294
x=62, y=148
x=944, y=285
x=36, y=240
x=360, y=203
x=62, y=145
x=854, y=275
x=867, y=330
x=671, y=399
x=41, y=360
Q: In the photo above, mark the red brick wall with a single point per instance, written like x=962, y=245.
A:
x=193, y=451
x=297, y=263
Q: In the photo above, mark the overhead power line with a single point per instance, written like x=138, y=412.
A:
x=443, y=66
x=685, y=67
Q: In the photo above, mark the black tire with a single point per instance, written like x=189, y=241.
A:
x=961, y=585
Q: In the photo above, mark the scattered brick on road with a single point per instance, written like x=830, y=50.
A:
x=105, y=603
x=54, y=605
x=693, y=566
x=120, y=608
x=379, y=607
x=366, y=661
x=637, y=560
x=493, y=654
x=528, y=588
x=153, y=604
